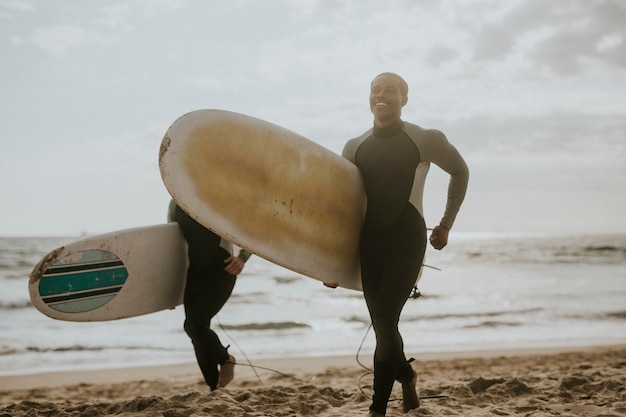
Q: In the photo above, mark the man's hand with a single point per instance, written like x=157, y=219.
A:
x=439, y=237
x=234, y=265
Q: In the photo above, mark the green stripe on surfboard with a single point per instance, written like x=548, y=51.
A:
x=69, y=283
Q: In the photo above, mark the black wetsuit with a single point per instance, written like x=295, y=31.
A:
x=393, y=162
x=207, y=289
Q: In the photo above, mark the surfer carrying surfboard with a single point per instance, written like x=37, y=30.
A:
x=393, y=158
x=211, y=278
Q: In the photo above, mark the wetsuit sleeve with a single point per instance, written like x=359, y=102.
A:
x=349, y=150
x=202, y=243
x=244, y=255
x=171, y=211
x=223, y=243
x=435, y=148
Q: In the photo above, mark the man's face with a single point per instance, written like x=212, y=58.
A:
x=386, y=100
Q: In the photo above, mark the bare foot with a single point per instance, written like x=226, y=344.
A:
x=227, y=372
x=375, y=414
x=410, y=400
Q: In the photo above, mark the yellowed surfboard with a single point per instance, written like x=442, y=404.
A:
x=268, y=190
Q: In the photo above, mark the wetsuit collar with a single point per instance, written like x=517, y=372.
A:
x=387, y=131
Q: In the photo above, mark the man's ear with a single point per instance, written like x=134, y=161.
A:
x=405, y=99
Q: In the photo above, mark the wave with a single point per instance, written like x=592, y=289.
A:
x=605, y=249
x=286, y=280
x=621, y=315
x=20, y=265
x=249, y=298
x=487, y=314
x=609, y=248
x=493, y=324
x=609, y=315
x=11, y=350
x=15, y=305
x=356, y=319
x=285, y=325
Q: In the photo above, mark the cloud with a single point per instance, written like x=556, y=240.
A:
x=440, y=54
x=594, y=135
x=111, y=21
x=57, y=40
x=16, y=40
x=554, y=151
x=115, y=16
x=120, y=15
x=560, y=37
x=151, y=8
x=7, y=7
x=595, y=36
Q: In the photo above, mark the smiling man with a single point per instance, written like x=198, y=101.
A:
x=388, y=94
x=393, y=158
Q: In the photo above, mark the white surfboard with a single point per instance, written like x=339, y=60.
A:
x=268, y=190
x=112, y=276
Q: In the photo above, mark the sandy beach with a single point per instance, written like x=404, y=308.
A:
x=588, y=381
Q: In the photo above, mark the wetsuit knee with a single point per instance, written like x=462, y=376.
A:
x=383, y=332
x=192, y=330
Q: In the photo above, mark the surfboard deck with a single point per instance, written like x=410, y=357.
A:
x=268, y=190
x=112, y=276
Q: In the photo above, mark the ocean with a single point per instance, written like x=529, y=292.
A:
x=489, y=291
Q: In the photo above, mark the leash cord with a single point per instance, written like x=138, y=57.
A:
x=370, y=372
x=358, y=360
x=249, y=362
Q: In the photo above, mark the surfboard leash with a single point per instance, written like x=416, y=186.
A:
x=263, y=368
x=249, y=363
x=358, y=360
x=415, y=292
x=219, y=323
x=371, y=371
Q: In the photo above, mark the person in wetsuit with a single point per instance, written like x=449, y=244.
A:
x=393, y=158
x=211, y=277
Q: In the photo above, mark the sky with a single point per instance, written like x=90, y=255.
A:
x=532, y=93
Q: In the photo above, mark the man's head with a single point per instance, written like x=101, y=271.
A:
x=388, y=94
